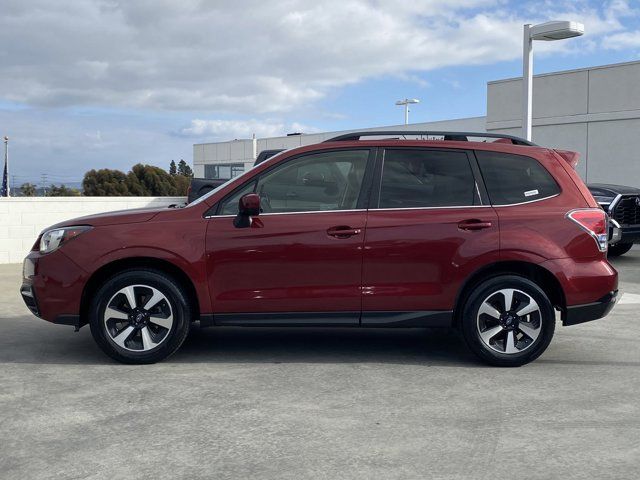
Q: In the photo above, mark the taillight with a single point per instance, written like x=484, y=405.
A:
x=594, y=222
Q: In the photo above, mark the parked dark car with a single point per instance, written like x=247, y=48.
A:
x=201, y=186
x=622, y=204
x=487, y=237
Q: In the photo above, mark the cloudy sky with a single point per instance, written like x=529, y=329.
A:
x=107, y=83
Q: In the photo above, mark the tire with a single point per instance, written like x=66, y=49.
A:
x=504, y=340
x=619, y=249
x=140, y=335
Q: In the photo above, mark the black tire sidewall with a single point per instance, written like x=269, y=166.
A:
x=472, y=336
x=619, y=249
x=165, y=284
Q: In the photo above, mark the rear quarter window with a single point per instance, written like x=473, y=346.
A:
x=515, y=178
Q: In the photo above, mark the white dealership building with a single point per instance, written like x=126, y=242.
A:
x=594, y=111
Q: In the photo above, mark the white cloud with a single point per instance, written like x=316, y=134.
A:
x=242, y=128
x=621, y=41
x=249, y=55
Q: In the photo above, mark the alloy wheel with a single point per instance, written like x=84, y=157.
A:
x=138, y=318
x=509, y=321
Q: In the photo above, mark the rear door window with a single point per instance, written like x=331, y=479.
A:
x=420, y=178
x=515, y=178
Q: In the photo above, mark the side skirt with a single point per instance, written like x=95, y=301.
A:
x=441, y=318
x=412, y=319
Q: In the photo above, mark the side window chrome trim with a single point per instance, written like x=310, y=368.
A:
x=428, y=208
x=391, y=209
x=468, y=206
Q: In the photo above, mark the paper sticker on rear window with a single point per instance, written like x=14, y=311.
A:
x=531, y=193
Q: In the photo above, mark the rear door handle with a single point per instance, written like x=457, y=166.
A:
x=343, y=231
x=473, y=224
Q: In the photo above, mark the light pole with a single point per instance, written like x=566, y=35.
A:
x=406, y=102
x=548, y=31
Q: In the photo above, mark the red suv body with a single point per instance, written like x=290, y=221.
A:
x=486, y=237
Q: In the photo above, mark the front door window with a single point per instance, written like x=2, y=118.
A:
x=320, y=182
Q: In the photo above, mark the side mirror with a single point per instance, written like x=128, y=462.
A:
x=248, y=206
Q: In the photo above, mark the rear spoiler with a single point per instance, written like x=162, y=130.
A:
x=571, y=158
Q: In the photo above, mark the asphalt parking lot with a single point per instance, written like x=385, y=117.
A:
x=332, y=403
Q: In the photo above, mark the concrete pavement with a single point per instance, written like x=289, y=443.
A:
x=320, y=403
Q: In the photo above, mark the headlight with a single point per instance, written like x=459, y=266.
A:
x=53, y=239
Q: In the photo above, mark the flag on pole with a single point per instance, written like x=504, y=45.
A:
x=3, y=191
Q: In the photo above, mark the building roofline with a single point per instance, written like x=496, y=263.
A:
x=346, y=131
x=563, y=72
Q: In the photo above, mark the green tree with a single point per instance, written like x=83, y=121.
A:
x=105, y=183
x=184, y=169
x=182, y=184
x=141, y=181
x=28, y=190
x=147, y=180
x=172, y=168
x=63, y=191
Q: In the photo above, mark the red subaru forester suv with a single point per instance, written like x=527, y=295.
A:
x=482, y=232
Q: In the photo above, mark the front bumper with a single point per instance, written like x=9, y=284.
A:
x=630, y=234
x=591, y=311
x=29, y=297
x=623, y=233
x=615, y=232
x=52, y=286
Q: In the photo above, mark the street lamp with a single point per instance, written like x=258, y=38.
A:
x=548, y=31
x=406, y=103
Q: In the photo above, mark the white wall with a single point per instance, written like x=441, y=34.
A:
x=23, y=218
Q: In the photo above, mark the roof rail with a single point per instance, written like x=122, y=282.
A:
x=452, y=136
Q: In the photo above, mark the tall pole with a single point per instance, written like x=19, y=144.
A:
x=405, y=103
x=254, y=144
x=527, y=82
x=6, y=163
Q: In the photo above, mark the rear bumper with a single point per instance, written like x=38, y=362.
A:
x=583, y=281
x=591, y=311
x=590, y=287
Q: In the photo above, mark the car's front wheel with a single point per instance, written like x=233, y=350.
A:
x=508, y=321
x=140, y=316
x=619, y=249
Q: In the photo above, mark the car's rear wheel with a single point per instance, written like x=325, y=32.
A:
x=140, y=316
x=619, y=249
x=508, y=321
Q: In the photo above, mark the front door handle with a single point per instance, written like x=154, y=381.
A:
x=343, y=231
x=473, y=224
